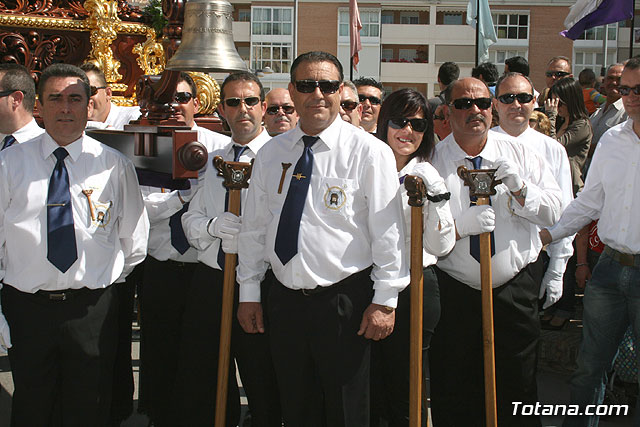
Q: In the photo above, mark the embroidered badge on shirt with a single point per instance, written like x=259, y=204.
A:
x=334, y=198
x=103, y=213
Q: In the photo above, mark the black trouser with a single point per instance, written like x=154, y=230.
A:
x=62, y=356
x=162, y=304
x=457, y=379
x=322, y=365
x=390, y=356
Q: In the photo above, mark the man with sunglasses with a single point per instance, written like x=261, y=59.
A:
x=514, y=103
x=527, y=198
x=370, y=93
x=324, y=211
x=558, y=68
x=105, y=114
x=350, y=106
x=441, y=125
x=213, y=232
x=280, y=115
x=168, y=269
x=17, y=99
x=611, y=300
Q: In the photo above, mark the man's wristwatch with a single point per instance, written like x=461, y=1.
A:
x=388, y=309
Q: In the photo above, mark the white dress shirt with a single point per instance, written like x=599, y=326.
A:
x=107, y=250
x=161, y=204
x=516, y=232
x=352, y=217
x=119, y=116
x=25, y=133
x=556, y=156
x=610, y=193
x=208, y=202
x=439, y=231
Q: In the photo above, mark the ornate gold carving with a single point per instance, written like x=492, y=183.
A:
x=208, y=92
x=132, y=28
x=150, y=54
x=104, y=22
x=123, y=101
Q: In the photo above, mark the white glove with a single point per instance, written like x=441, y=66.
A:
x=226, y=227
x=552, y=282
x=508, y=173
x=432, y=180
x=5, y=336
x=476, y=220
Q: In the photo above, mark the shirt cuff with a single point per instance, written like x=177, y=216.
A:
x=387, y=297
x=249, y=292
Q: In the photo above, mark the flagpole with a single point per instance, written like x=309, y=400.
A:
x=477, y=30
x=631, y=33
x=351, y=68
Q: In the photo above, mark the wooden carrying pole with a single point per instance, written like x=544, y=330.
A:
x=236, y=177
x=417, y=191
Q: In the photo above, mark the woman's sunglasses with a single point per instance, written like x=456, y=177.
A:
x=418, y=125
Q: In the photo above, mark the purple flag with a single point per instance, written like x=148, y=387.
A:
x=607, y=12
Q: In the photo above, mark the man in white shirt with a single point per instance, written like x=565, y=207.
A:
x=72, y=223
x=514, y=103
x=280, y=115
x=17, y=98
x=169, y=268
x=611, y=301
x=370, y=93
x=106, y=114
x=324, y=210
x=213, y=232
x=350, y=106
x=527, y=199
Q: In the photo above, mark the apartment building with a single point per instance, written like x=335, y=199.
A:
x=405, y=41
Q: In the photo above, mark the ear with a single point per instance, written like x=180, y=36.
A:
x=108, y=92
x=16, y=99
x=359, y=109
x=196, y=105
x=221, y=110
x=263, y=105
x=292, y=90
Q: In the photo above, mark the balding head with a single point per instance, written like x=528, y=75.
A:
x=280, y=115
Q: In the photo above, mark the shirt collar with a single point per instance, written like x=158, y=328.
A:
x=49, y=146
x=255, y=144
x=489, y=153
x=22, y=134
x=329, y=136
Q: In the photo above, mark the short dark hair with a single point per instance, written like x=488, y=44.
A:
x=448, y=72
x=446, y=93
x=185, y=77
x=17, y=77
x=570, y=92
x=62, y=70
x=487, y=70
x=316, y=56
x=632, y=64
x=90, y=67
x=403, y=103
x=518, y=64
x=368, y=81
x=587, y=77
x=510, y=75
x=242, y=75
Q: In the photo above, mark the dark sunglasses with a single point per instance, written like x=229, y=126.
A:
x=556, y=74
x=349, y=105
x=614, y=78
x=419, y=125
x=326, y=86
x=182, y=97
x=95, y=89
x=287, y=109
x=249, y=102
x=466, y=103
x=626, y=90
x=523, y=98
x=8, y=92
x=374, y=100
x=436, y=117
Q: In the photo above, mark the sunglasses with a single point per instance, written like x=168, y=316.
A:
x=95, y=89
x=374, y=100
x=8, y=92
x=556, y=74
x=466, y=103
x=626, y=90
x=249, y=102
x=523, y=98
x=182, y=97
x=287, y=109
x=326, y=86
x=348, y=105
x=419, y=125
x=436, y=117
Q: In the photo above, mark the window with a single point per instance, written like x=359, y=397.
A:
x=244, y=15
x=370, y=20
x=498, y=57
x=590, y=59
x=511, y=26
x=597, y=33
x=452, y=18
x=274, y=55
x=271, y=21
x=409, y=18
x=406, y=55
x=387, y=17
x=386, y=55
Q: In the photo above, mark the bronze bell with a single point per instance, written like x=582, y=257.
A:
x=207, y=39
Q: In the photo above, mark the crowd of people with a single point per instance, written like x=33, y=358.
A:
x=320, y=335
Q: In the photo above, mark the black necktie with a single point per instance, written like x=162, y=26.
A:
x=289, y=225
x=8, y=141
x=178, y=238
x=61, y=236
x=237, y=152
x=474, y=240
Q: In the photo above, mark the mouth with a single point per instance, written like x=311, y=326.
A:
x=283, y=119
x=405, y=140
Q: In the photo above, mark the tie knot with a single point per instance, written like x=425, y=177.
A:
x=60, y=153
x=237, y=151
x=477, y=162
x=309, y=140
x=8, y=141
